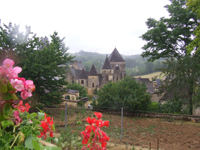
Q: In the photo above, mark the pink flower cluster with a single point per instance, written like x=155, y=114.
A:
x=93, y=134
x=20, y=84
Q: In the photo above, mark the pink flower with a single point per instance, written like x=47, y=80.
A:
x=17, y=84
x=25, y=94
x=17, y=119
x=8, y=63
x=30, y=86
x=14, y=72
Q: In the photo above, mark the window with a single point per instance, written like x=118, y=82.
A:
x=92, y=84
x=82, y=81
x=117, y=78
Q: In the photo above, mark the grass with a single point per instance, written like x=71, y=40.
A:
x=150, y=75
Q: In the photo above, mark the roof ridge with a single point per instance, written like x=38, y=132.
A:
x=93, y=71
x=107, y=64
x=115, y=56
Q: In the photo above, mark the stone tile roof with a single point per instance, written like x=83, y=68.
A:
x=143, y=80
x=75, y=72
x=83, y=74
x=150, y=88
x=106, y=64
x=93, y=71
x=115, y=56
x=72, y=91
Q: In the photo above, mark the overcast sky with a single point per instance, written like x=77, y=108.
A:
x=89, y=25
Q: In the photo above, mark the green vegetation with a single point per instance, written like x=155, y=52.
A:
x=127, y=93
x=169, y=38
x=40, y=59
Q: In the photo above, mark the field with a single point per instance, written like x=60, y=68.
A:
x=151, y=75
x=137, y=132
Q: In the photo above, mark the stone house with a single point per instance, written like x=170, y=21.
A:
x=112, y=70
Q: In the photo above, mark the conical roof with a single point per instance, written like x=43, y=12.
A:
x=93, y=71
x=106, y=64
x=83, y=74
x=115, y=56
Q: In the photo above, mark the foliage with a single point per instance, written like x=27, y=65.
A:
x=194, y=5
x=67, y=140
x=183, y=78
x=153, y=107
x=171, y=106
x=40, y=59
x=18, y=128
x=75, y=86
x=169, y=37
x=127, y=93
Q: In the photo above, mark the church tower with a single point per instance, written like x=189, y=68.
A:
x=107, y=72
x=118, y=64
x=93, y=80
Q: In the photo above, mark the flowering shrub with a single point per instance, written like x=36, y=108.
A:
x=19, y=129
x=94, y=135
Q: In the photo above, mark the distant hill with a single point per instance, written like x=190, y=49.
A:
x=135, y=64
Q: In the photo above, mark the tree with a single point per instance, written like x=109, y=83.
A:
x=82, y=90
x=127, y=93
x=194, y=5
x=40, y=63
x=169, y=38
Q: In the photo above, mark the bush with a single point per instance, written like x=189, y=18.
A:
x=127, y=93
x=153, y=107
x=171, y=106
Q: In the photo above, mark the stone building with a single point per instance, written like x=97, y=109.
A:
x=112, y=70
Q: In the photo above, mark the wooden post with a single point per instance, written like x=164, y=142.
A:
x=158, y=144
x=150, y=146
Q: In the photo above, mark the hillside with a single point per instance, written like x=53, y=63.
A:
x=135, y=64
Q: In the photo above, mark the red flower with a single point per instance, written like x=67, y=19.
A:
x=21, y=107
x=47, y=125
x=93, y=134
x=98, y=115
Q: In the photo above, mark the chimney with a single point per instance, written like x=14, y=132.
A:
x=154, y=83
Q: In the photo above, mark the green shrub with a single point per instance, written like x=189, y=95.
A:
x=127, y=93
x=153, y=107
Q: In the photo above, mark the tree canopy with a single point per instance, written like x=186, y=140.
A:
x=41, y=61
x=169, y=37
x=127, y=93
x=194, y=5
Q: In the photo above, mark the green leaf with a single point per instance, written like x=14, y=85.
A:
x=36, y=145
x=40, y=115
x=10, y=87
x=6, y=96
x=14, y=97
x=7, y=123
x=28, y=142
x=7, y=109
x=3, y=88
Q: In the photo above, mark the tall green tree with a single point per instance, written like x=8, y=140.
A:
x=194, y=5
x=169, y=38
x=41, y=62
